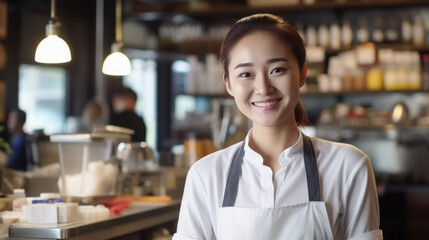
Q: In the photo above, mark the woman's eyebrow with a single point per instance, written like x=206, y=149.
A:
x=243, y=65
x=273, y=60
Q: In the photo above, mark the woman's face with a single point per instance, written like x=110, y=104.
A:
x=264, y=79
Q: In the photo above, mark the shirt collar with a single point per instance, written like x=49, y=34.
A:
x=288, y=155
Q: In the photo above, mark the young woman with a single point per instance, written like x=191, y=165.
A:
x=277, y=183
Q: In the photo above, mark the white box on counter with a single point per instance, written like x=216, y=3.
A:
x=41, y=213
x=52, y=212
x=67, y=212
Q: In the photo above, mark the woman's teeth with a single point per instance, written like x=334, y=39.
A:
x=266, y=104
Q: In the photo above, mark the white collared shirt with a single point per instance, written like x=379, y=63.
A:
x=345, y=174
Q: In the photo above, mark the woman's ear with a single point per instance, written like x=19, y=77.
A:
x=303, y=75
x=228, y=85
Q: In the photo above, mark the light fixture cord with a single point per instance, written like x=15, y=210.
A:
x=53, y=9
x=118, y=21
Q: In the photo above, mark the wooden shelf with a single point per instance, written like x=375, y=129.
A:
x=351, y=93
x=204, y=95
x=396, y=46
x=216, y=10
x=317, y=94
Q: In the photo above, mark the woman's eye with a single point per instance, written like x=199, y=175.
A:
x=245, y=75
x=277, y=70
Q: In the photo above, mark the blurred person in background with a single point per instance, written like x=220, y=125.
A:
x=94, y=114
x=20, y=158
x=124, y=115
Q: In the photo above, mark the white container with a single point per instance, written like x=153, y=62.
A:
x=88, y=164
x=9, y=217
x=41, y=213
x=19, y=200
x=67, y=212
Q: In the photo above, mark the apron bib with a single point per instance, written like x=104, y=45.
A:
x=301, y=221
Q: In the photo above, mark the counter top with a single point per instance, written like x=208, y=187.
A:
x=140, y=216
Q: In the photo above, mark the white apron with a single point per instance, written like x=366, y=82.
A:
x=302, y=221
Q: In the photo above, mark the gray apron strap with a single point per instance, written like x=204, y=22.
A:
x=234, y=173
x=311, y=170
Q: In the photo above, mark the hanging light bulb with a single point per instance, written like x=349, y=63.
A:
x=53, y=49
x=117, y=63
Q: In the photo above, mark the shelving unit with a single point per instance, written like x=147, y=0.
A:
x=213, y=10
x=222, y=12
x=360, y=93
x=212, y=13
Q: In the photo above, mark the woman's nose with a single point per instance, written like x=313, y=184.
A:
x=263, y=85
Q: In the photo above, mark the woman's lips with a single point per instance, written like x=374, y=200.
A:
x=267, y=104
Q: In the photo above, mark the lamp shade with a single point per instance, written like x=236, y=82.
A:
x=53, y=49
x=117, y=64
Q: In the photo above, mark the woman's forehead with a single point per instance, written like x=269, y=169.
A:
x=259, y=46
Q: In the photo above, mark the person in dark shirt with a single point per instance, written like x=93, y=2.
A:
x=20, y=158
x=124, y=115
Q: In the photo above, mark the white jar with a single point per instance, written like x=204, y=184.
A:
x=19, y=200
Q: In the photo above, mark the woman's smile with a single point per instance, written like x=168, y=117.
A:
x=267, y=104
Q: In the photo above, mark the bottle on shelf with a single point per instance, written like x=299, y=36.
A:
x=401, y=63
x=346, y=34
x=418, y=31
x=414, y=70
x=425, y=72
x=300, y=29
x=336, y=72
x=406, y=30
x=392, y=31
x=390, y=79
x=362, y=32
x=374, y=78
x=311, y=35
x=323, y=36
x=359, y=80
x=335, y=36
x=377, y=31
x=427, y=29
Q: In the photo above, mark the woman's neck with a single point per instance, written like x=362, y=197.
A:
x=270, y=142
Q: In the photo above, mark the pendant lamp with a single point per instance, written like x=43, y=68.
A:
x=117, y=63
x=53, y=49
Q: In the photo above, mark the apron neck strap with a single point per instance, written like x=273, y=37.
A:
x=311, y=170
x=234, y=173
x=231, y=188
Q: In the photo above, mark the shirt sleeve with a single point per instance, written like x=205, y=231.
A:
x=362, y=215
x=194, y=218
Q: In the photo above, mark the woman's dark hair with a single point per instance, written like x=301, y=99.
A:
x=278, y=27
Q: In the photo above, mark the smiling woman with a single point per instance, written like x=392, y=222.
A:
x=277, y=183
x=264, y=84
x=277, y=33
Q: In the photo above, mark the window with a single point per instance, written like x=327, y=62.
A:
x=41, y=95
x=143, y=81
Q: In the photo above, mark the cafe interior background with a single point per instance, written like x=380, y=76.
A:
x=368, y=80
